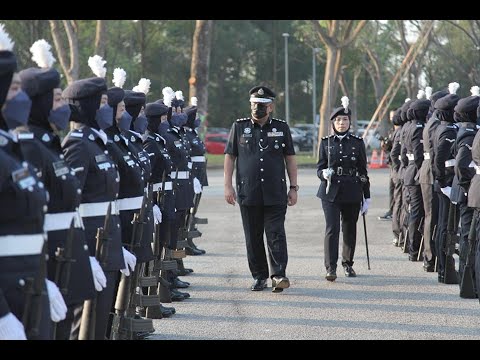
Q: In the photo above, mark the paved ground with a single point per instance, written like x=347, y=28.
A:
x=393, y=300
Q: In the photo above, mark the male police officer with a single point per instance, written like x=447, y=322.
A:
x=262, y=147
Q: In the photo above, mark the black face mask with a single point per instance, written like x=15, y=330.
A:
x=259, y=111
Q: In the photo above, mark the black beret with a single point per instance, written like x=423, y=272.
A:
x=467, y=105
x=155, y=109
x=437, y=95
x=420, y=105
x=340, y=111
x=85, y=88
x=134, y=98
x=191, y=112
x=397, y=119
x=115, y=95
x=36, y=81
x=261, y=94
x=8, y=62
x=447, y=102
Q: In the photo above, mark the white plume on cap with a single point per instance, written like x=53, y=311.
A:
x=475, y=90
x=345, y=102
x=179, y=95
x=453, y=87
x=420, y=94
x=143, y=86
x=168, y=95
x=407, y=100
x=6, y=42
x=119, y=77
x=428, y=92
x=42, y=54
x=97, y=63
x=193, y=101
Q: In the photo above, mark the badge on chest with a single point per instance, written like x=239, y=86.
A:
x=102, y=162
x=60, y=168
x=23, y=178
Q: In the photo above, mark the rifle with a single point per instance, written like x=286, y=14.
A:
x=329, y=181
x=64, y=258
x=450, y=272
x=127, y=286
x=35, y=291
x=467, y=283
x=87, y=326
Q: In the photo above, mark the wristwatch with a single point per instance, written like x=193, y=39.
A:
x=294, y=187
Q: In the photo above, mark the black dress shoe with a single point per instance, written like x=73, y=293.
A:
x=167, y=308
x=349, y=272
x=331, y=275
x=429, y=266
x=185, y=272
x=259, y=285
x=279, y=283
x=179, y=284
x=191, y=251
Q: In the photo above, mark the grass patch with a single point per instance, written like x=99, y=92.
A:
x=303, y=159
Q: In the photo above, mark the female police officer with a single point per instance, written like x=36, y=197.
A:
x=344, y=189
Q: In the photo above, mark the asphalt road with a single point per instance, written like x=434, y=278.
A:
x=396, y=299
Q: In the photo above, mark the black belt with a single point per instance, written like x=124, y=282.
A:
x=340, y=171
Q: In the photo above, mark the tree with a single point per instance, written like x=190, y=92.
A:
x=100, y=38
x=335, y=36
x=199, y=69
x=70, y=63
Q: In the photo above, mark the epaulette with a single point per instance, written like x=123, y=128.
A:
x=279, y=120
x=356, y=136
x=243, y=119
x=326, y=137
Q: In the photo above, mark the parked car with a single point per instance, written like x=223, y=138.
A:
x=217, y=130
x=371, y=141
x=215, y=143
x=301, y=140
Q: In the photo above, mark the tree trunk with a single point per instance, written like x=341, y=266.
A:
x=100, y=38
x=70, y=62
x=325, y=106
x=202, y=43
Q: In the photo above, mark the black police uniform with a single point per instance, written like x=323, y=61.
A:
x=349, y=185
x=395, y=169
x=466, y=109
x=414, y=147
x=443, y=171
x=86, y=152
x=262, y=190
x=430, y=197
x=65, y=196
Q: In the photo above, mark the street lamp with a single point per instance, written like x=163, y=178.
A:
x=287, y=99
x=314, y=84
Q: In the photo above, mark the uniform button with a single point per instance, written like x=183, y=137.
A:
x=261, y=149
x=116, y=195
x=340, y=159
x=261, y=139
x=129, y=153
x=261, y=169
x=40, y=185
x=61, y=156
x=262, y=180
x=30, y=188
x=45, y=208
x=21, y=282
x=85, y=247
x=64, y=177
x=117, y=179
x=340, y=152
x=106, y=151
x=246, y=141
x=24, y=164
x=79, y=191
x=72, y=173
x=261, y=159
x=118, y=225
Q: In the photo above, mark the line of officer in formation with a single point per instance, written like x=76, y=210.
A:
x=435, y=167
x=94, y=228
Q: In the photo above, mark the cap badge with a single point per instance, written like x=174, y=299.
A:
x=260, y=91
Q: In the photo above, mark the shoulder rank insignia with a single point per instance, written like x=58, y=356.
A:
x=76, y=134
x=242, y=119
x=279, y=120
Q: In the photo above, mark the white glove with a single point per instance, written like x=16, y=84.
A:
x=11, y=328
x=58, y=308
x=446, y=191
x=327, y=173
x=157, y=214
x=130, y=260
x=197, y=187
x=99, y=279
x=365, y=205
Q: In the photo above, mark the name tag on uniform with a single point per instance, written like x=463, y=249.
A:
x=247, y=135
x=103, y=162
x=23, y=178
x=128, y=160
x=275, y=134
x=60, y=168
x=178, y=143
x=142, y=158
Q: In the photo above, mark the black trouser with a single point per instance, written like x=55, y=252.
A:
x=271, y=220
x=397, y=209
x=405, y=214
x=105, y=302
x=430, y=207
x=416, y=214
x=466, y=216
x=69, y=328
x=391, y=195
x=349, y=215
x=441, y=233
